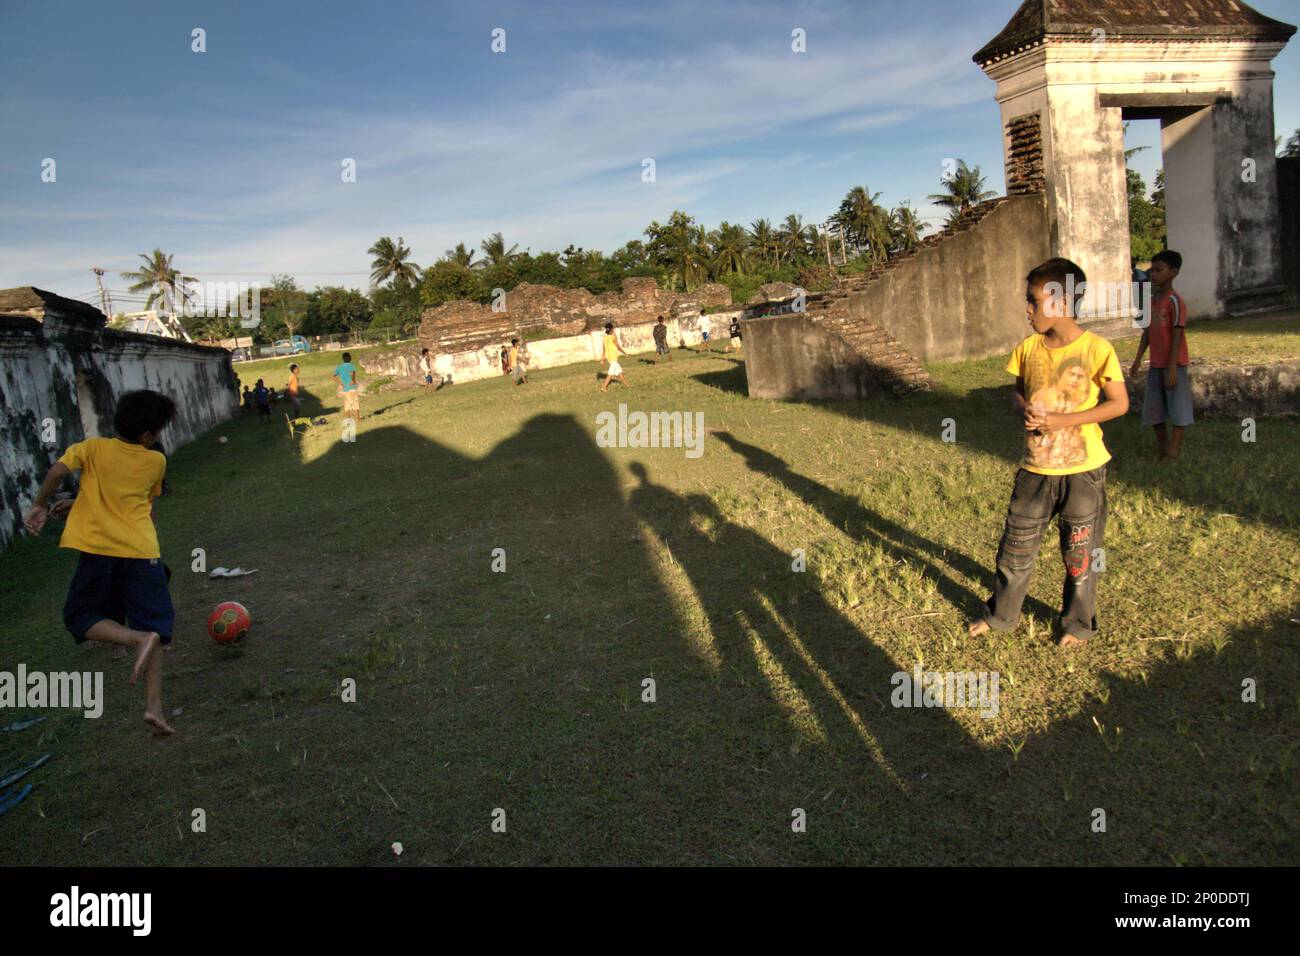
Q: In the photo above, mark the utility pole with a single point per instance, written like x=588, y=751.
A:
x=105, y=303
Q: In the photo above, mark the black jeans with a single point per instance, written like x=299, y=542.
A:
x=1078, y=502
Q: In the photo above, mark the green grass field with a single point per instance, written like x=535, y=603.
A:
x=523, y=690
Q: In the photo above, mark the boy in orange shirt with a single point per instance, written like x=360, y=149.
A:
x=1061, y=373
x=120, y=576
x=1169, y=388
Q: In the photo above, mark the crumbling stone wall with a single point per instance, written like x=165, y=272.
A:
x=61, y=372
x=460, y=326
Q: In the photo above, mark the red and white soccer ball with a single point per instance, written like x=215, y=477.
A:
x=229, y=622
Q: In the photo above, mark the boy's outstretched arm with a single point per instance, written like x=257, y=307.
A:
x=37, y=513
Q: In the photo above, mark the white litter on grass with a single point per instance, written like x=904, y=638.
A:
x=223, y=439
x=397, y=849
x=230, y=572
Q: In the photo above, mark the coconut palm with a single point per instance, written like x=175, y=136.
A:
x=764, y=239
x=461, y=256
x=392, y=262
x=905, y=228
x=864, y=221
x=161, y=278
x=965, y=189
x=730, y=248
x=681, y=247
x=792, y=239
x=495, y=252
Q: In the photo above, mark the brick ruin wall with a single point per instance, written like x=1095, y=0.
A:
x=466, y=326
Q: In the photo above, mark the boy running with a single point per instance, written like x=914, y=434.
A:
x=1061, y=372
x=120, y=578
x=612, y=351
x=1169, y=388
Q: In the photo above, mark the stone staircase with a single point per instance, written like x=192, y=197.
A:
x=895, y=368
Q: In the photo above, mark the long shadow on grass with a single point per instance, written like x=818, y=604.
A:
x=844, y=511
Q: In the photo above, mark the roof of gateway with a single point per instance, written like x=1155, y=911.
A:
x=1132, y=20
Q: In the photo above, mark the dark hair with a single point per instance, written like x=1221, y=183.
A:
x=609, y=326
x=513, y=341
x=1064, y=273
x=140, y=412
x=293, y=366
x=347, y=356
x=661, y=318
x=424, y=351
x=1170, y=258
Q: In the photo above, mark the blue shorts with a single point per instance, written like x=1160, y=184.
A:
x=428, y=379
x=131, y=591
x=1163, y=404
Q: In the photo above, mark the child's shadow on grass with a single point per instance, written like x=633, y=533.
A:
x=844, y=511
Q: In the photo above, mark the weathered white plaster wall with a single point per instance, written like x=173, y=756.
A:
x=1226, y=228
x=60, y=376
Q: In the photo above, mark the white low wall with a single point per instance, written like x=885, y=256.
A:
x=544, y=353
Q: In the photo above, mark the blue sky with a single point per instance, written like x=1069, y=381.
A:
x=230, y=159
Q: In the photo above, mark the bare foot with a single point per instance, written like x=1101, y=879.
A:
x=978, y=627
x=144, y=650
x=1069, y=640
x=160, y=727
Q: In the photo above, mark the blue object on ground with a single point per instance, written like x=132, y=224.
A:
x=21, y=772
x=14, y=797
x=23, y=724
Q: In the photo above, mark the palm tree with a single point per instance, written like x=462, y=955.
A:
x=161, y=278
x=791, y=238
x=965, y=189
x=730, y=248
x=864, y=221
x=495, y=252
x=764, y=239
x=681, y=246
x=905, y=228
x=461, y=256
x=392, y=261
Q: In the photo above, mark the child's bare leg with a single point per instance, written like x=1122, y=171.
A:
x=153, y=711
x=1176, y=441
x=1162, y=439
x=144, y=642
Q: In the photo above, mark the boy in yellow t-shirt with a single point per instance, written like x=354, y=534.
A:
x=120, y=577
x=1061, y=373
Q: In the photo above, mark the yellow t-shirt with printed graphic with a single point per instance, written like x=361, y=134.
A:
x=1068, y=379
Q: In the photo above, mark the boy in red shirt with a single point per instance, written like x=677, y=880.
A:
x=1169, y=389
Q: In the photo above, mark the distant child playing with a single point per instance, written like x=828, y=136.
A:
x=1169, y=388
x=661, y=340
x=426, y=369
x=346, y=375
x=612, y=350
x=1061, y=372
x=118, y=593
x=262, y=396
x=517, y=363
x=292, y=390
